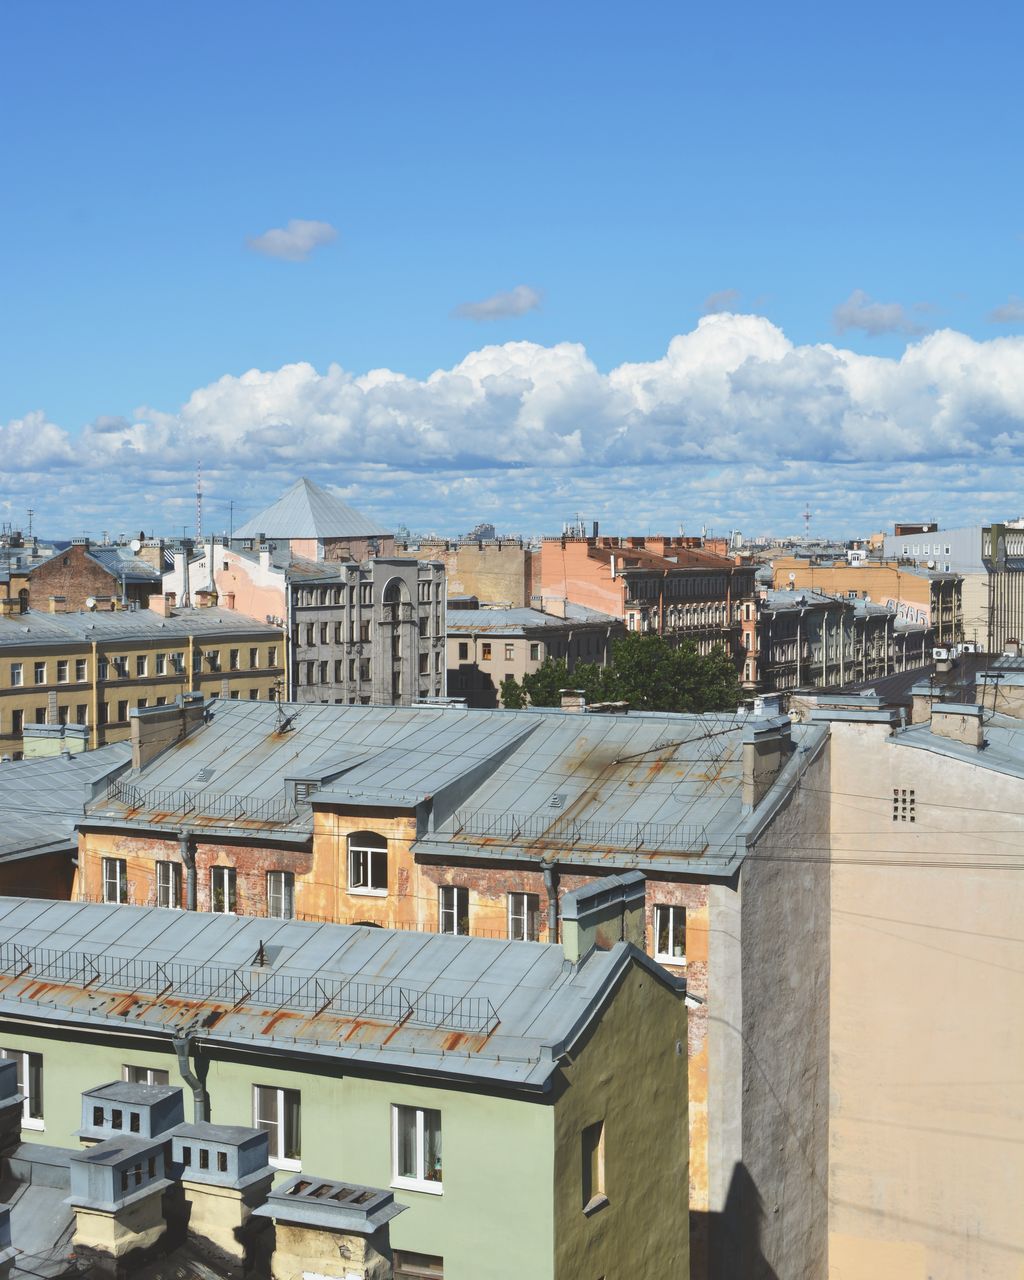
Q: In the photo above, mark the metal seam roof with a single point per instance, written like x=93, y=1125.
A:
x=308, y=511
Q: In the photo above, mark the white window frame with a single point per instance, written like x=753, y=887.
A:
x=17, y=675
x=39, y=668
x=519, y=915
x=275, y=1136
x=168, y=871
x=364, y=863
x=433, y=1187
x=119, y=880
x=23, y=1058
x=667, y=957
x=450, y=912
x=285, y=891
x=229, y=889
x=150, y=1074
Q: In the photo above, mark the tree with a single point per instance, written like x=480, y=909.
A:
x=645, y=671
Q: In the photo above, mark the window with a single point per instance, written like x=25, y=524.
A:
x=367, y=863
x=534, y=652
x=321, y=672
x=40, y=673
x=280, y=895
x=276, y=1112
x=364, y=668
x=102, y=669
x=324, y=633
x=233, y=659
x=81, y=713
x=62, y=670
x=213, y=658
x=463, y=650
x=593, y=1167
x=523, y=917
x=364, y=633
x=424, y=623
x=454, y=909
x=510, y=652
x=168, y=884
x=670, y=934
x=62, y=715
x=272, y=656
x=143, y=703
x=141, y=664
x=81, y=670
x=144, y=1075
x=40, y=715
x=121, y=666
x=17, y=674
x=30, y=1083
x=222, y=890
x=122, y=709
x=254, y=659
x=254, y=695
x=424, y=664
x=104, y=712
x=418, y=1266
x=161, y=664
x=178, y=662
x=416, y=1149
x=485, y=651
x=115, y=880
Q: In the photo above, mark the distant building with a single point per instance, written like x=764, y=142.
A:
x=499, y=571
x=317, y=525
x=94, y=669
x=109, y=575
x=485, y=646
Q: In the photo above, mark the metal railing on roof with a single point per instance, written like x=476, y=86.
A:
x=182, y=803
x=531, y=828
x=247, y=986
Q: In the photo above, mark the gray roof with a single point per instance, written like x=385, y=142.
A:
x=1004, y=742
x=389, y=1000
x=307, y=511
x=520, y=622
x=617, y=791
x=36, y=628
x=41, y=800
x=118, y=561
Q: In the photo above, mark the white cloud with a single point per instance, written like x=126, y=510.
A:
x=1009, y=312
x=733, y=424
x=861, y=312
x=295, y=242
x=500, y=306
x=723, y=300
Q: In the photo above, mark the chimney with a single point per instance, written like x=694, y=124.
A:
x=573, y=700
x=1012, y=648
x=117, y=1193
x=959, y=721
x=229, y=599
x=1002, y=691
x=162, y=605
x=154, y=729
x=555, y=605
x=80, y=542
x=152, y=553
x=603, y=913
x=767, y=745
x=9, y=608
x=57, y=604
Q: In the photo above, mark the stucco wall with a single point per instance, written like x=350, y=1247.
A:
x=631, y=1075
x=927, y=988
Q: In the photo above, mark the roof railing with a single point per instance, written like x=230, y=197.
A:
x=532, y=828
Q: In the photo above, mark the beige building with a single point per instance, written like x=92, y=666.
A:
x=499, y=570
x=486, y=646
x=94, y=669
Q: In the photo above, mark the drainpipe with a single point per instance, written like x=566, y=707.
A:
x=182, y=1044
x=550, y=888
x=188, y=857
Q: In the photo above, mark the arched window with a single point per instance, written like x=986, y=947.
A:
x=367, y=862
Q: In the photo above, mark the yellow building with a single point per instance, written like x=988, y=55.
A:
x=94, y=669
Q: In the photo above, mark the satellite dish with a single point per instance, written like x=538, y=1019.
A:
x=931, y=564
x=792, y=577
x=90, y=602
x=135, y=544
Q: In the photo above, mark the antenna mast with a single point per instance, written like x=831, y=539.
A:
x=807, y=522
x=199, y=502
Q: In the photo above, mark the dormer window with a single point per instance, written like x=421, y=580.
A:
x=367, y=863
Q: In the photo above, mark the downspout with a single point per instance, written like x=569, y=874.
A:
x=551, y=889
x=182, y=1044
x=188, y=857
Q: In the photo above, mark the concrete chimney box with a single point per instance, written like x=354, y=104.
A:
x=767, y=745
x=603, y=913
x=959, y=721
x=140, y=1110
x=117, y=1191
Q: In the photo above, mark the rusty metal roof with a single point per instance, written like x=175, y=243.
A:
x=427, y=1004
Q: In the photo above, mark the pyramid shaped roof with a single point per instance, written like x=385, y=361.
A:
x=307, y=511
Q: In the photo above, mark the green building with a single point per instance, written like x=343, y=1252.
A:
x=525, y=1101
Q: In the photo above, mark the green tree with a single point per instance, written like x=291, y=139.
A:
x=544, y=686
x=652, y=675
x=512, y=694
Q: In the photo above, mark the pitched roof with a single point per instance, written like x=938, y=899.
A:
x=35, y=628
x=307, y=511
x=425, y=1003
x=518, y=622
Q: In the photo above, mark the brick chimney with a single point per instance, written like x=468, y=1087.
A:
x=162, y=605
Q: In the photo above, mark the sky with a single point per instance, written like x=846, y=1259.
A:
x=662, y=265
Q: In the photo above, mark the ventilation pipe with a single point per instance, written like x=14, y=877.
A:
x=551, y=889
x=188, y=857
x=182, y=1044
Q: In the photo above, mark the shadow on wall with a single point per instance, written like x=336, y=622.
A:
x=476, y=686
x=727, y=1245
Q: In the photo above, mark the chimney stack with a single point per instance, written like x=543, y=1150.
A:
x=767, y=745
x=573, y=700
x=603, y=913
x=959, y=721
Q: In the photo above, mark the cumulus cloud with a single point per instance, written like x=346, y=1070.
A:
x=723, y=300
x=501, y=306
x=1009, y=312
x=732, y=423
x=295, y=242
x=860, y=312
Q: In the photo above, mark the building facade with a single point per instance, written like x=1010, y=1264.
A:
x=95, y=669
x=109, y=575
x=497, y=571
x=487, y=646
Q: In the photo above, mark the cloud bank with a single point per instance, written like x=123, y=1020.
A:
x=874, y=318
x=295, y=242
x=733, y=423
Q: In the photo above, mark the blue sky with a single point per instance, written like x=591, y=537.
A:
x=851, y=176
